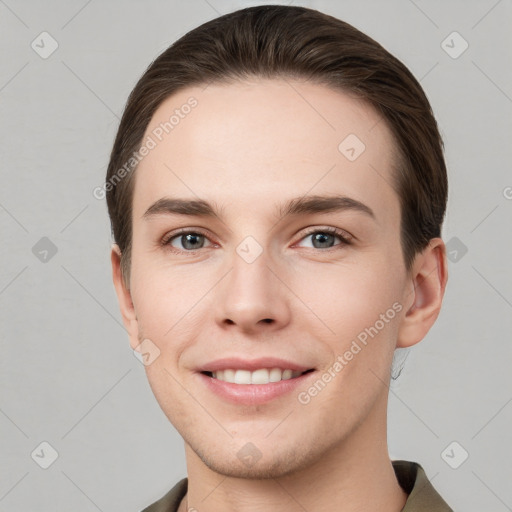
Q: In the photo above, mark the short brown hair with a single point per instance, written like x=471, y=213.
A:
x=273, y=41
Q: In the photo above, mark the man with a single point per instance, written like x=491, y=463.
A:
x=276, y=190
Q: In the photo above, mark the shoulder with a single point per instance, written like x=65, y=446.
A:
x=410, y=475
x=171, y=501
x=422, y=495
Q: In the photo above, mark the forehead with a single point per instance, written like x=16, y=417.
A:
x=252, y=144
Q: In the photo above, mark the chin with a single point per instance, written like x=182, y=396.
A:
x=260, y=470
x=249, y=462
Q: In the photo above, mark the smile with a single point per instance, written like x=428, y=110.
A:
x=259, y=376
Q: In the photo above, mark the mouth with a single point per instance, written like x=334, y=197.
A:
x=255, y=384
x=245, y=381
x=259, y=376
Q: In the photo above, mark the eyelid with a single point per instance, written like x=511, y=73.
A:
x=345, y=237
x=166, y=239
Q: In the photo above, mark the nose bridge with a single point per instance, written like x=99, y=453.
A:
x=252, y=294
x=251, y=278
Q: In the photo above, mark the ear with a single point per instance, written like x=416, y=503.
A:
x=124, y=297
x=427, y=280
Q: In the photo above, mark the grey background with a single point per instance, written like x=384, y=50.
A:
x=68, y=376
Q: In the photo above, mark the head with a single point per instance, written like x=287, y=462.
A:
x=269, y=122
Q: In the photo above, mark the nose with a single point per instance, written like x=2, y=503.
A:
x=253, y=297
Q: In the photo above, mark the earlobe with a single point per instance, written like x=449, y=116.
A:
x=123, y=294
x=428, y=282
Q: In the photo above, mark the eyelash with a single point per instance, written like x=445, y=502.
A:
x=345, y=238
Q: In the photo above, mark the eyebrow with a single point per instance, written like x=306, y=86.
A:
x=296, y=206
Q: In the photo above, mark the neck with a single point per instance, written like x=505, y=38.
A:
x=354, y=475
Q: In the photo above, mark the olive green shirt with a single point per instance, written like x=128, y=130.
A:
x=410, y=475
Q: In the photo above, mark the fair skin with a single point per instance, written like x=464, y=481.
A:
x=248, y=148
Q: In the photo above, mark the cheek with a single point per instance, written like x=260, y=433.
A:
x=359, y=312
x=164, y=294
x=174, y=399
x=170, y=304
x=347, y=298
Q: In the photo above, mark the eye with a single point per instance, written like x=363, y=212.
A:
x=186, y=241
x=325, y=238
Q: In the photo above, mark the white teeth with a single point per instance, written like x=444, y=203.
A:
x=260, y=376
x=242, y=377
x=275, y=375
x=229, y=375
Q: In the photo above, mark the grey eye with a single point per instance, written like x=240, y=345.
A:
x=189, y=241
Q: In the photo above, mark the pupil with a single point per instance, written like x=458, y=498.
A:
x=323, y=239
x=190, y=241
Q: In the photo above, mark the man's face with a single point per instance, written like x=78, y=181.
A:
x=256, y=282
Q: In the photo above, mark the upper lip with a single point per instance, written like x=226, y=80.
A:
x=237, y=363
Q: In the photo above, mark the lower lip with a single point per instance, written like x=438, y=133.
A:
x=253, y=394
